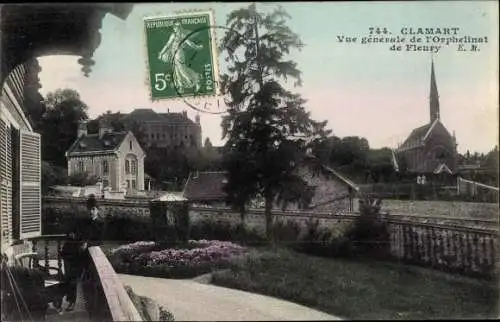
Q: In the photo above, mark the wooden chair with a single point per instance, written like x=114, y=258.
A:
x=53, y=277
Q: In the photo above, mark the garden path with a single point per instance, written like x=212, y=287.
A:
x=189, y=300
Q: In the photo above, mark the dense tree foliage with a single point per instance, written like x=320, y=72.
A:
x=64, y=109
x=267, y=128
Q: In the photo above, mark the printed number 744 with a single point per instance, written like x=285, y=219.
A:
x=161, y=81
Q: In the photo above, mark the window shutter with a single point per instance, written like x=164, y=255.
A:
x=5, y=182
x=30, y=185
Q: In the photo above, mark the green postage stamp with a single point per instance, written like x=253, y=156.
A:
x=181, y=55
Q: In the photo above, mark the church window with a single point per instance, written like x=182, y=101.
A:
x=130, y=144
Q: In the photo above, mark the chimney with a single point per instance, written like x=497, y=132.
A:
x=82, y=128
x=104, y=127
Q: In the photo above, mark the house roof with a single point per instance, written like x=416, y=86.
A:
x=442, y=167
x=333, y=172
x=149, y=115
x=342, y=178
x=205, y=186
x=92, y=143
x=209, y=186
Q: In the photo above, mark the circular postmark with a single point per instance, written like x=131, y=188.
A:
x=204, y=89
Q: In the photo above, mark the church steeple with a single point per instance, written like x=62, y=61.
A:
x=434, y=96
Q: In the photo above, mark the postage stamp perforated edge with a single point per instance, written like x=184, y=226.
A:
x=213, y=51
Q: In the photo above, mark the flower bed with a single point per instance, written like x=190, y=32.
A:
x=195, y=258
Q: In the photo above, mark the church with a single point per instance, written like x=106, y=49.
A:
x=429, y=149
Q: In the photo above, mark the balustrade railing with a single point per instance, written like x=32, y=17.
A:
x=103, y=293
x=52, y=245
x=450, y=248
x=105, y=297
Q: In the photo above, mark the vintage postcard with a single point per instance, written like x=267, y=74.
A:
x=249, y=161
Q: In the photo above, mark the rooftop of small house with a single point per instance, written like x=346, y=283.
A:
x=109, y=141
x=209, y=186
x=205, y=186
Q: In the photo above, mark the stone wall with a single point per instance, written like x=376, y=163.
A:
x=255, y=219
x=130, y=207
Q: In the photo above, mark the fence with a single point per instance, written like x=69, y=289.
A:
x=451, y=248
x=477, y=191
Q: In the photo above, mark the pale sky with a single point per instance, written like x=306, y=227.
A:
x=364, y=90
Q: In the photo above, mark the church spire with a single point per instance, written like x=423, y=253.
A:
x=433, y=97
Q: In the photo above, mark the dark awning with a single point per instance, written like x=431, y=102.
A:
x=34, y=30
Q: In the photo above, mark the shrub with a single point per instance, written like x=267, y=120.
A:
x=221, y=230
x=127, y=228
x=369, y=235
x=59, y=221
x=285, y=233
x=170, y=221
x=82, y=179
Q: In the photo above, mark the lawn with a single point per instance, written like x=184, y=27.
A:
x=361, y=290
x=457, y=209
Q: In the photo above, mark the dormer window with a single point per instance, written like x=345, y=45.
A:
x=106, y=143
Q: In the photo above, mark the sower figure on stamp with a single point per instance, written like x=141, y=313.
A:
x=173, y=52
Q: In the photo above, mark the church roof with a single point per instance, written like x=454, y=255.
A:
x=92, y=143
x=416, y=136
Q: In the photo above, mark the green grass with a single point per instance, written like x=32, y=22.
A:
x=361, y=290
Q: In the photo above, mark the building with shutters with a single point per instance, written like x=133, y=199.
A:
x=20, y=165
x=116, y=158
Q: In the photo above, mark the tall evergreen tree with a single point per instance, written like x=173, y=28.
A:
x=267, y=128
